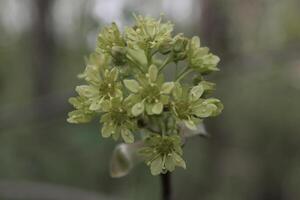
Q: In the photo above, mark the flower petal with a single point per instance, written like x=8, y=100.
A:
x=178, y=160
x=190, y=124
x=167, y=87
x=169, y=163
x=157, y=108
x=87, y=91
x=132, y=85
x=177, y=91
x=138, y=109
x=107, y=130
x=156, y=166
x=127, y=135
x=205, y=110
x=196, y=92
x=153, y=71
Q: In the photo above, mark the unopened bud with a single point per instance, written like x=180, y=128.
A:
x=165, y=47
x=180, y=43
x=118, y=54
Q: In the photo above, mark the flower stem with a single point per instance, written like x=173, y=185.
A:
x=165, y=63
x=176, y=71
x=136, y=65
x=183, y=74
x=166, y=189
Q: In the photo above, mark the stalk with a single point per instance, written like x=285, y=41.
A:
x=166, y=189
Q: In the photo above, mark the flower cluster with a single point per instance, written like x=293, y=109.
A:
x=162, y=153
x=126, y=87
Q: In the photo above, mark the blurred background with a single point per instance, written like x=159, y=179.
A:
x=254, y=148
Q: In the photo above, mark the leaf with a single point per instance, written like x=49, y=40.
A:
x=167, y=87
x=153, y=71
x=138, y=109
x=132, y=85
x=120, y=162
x=156, y=166
x=157, y=108
x=127, y=135
x=123, y=159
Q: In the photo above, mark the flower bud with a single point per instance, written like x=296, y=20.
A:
x=179, y=56
x=165, y=47
x=119, y=55
x=118, y=51
x=180, y=43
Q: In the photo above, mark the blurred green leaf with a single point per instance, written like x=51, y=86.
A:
x=124, y=158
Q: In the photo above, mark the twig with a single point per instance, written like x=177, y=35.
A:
x=166, y=186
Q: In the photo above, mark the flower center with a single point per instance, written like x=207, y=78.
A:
x=107, y=89
x=151, y=93
x=165, y=147
x=183, y=109
x=119, y=118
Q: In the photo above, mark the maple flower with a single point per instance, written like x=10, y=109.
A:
x=163, y=153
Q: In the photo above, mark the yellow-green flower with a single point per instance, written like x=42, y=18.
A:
x=189, y=107
x=110, y=37
x=102, y=90
x=180, y=44
x=200, y=59
x=125, y=88
x=162, y=153
x=111, y=41
x=150, y=93
x=82, y=114
x=149, y=33
x=96, y=64
x=118, y=121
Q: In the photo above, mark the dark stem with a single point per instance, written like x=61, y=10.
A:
x=166, y=186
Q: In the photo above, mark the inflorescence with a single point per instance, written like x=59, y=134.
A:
x=126, y=86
